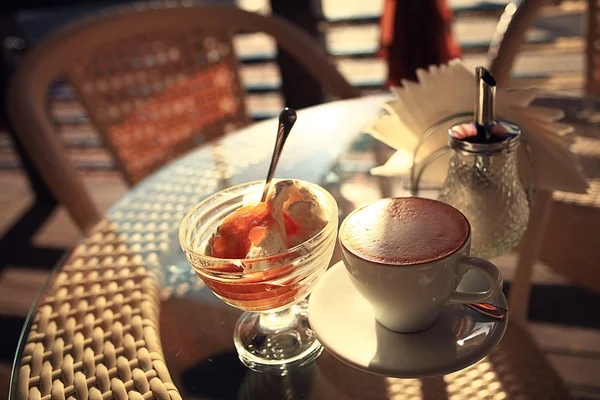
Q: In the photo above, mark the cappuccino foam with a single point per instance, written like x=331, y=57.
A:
x=404, y=231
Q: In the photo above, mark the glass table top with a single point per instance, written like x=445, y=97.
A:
x=133, y=263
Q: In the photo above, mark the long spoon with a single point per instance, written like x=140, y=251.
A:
x=287, y=118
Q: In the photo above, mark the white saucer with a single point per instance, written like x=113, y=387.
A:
x=343, y=322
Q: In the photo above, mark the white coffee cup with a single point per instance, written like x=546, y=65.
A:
x=409, y=298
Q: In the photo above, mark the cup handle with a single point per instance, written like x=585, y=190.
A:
x=489, y=270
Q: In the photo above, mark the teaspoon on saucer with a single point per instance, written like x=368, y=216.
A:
x=489, y=310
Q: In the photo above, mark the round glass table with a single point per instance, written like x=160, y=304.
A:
x=125, y=316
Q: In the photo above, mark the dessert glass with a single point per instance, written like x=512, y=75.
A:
x=273, y=333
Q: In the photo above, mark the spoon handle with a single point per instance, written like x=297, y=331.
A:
x=287, y=118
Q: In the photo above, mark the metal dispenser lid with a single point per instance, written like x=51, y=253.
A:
x=485, y=134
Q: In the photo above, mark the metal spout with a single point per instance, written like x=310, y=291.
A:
x=485, y=102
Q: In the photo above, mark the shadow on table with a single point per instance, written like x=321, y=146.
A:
x=196, y=334
x=196, y=329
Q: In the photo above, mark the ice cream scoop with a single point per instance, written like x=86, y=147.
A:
x=290, y=215
x=286, y=216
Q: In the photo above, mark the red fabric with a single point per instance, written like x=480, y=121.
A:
x=415, y=34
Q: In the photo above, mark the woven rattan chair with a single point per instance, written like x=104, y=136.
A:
x=155, y=80
x=564, y=227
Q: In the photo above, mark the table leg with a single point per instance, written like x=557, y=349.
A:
x=518, y=301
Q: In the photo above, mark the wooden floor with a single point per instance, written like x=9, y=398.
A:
x=58, y=232
x=573, y=350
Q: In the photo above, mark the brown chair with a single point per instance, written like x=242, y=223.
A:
x=563, y=228
x=155, y=79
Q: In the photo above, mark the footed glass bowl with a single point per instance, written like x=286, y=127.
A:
x=273, y=334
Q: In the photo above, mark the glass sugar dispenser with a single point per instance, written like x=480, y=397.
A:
x=483, y=180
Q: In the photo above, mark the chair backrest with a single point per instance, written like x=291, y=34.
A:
x=155, y=95
x=510, y=35
x=155, y=79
